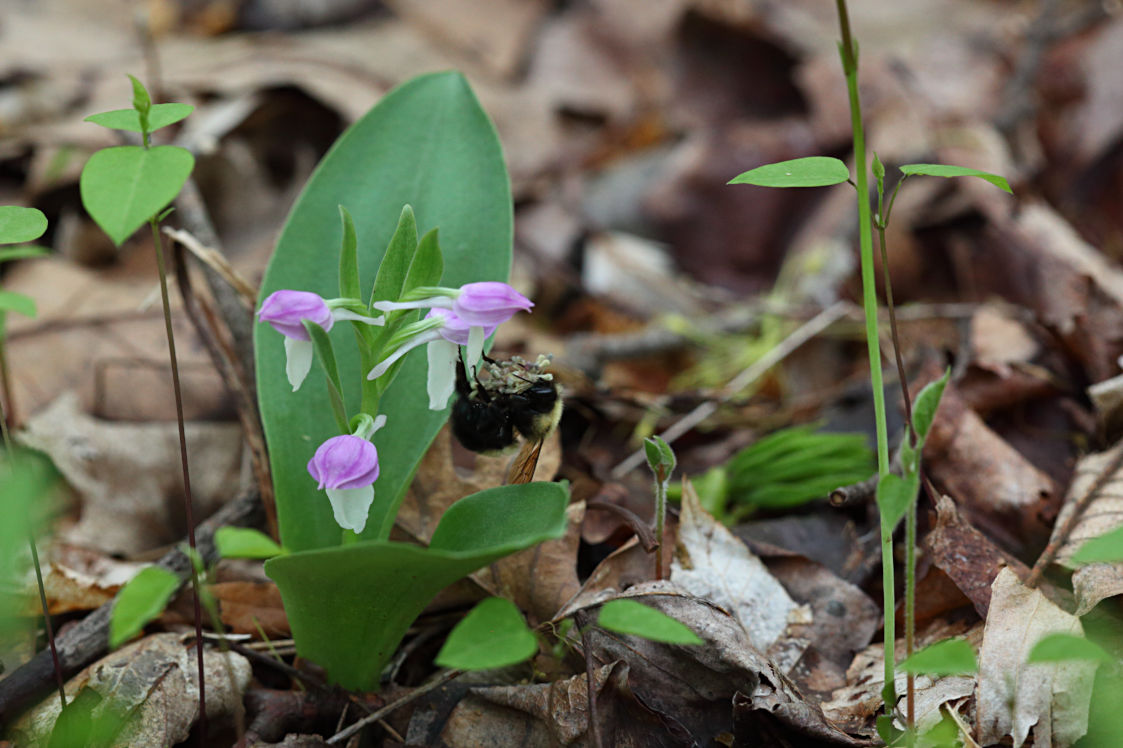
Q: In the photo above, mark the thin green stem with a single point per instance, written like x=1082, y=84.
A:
x=660, y=518
x=187, y=500
x=9, y=448
x=848, y=51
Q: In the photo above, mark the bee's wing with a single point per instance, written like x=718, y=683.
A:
x=522, y=467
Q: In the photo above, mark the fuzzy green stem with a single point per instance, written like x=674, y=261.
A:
x=187, y=500
x=848, y=51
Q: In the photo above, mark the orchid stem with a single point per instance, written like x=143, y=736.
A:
x=187, y=500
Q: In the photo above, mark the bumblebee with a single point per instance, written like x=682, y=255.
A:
x=503, y=400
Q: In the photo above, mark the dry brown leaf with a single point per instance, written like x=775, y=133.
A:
x=128, y=475
x=554, y=714
x=1093, y=582
x=855, y=704
x=713, y=564
x=252, y=608
x=154, y=680
x=1013, y=698
x=967, y=556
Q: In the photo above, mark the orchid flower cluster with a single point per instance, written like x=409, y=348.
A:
x=346, y=466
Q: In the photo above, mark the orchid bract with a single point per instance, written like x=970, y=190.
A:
x=350, y=409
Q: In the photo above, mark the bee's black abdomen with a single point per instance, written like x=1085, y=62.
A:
x=481, y=427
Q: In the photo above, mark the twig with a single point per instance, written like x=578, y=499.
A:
x=1061, y=536
x=413, y=695
x=217, y=262
x=228, y=364
x=802, y=334
x=88, y=639
x=590, y=678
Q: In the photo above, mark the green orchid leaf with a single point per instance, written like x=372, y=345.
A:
x=894, y=495
x=19, y=224
x=1059, y=647
x=396, y=259
x=631, y=617
x=349, y=258
x=23, y=252
x=492, y=635
x=123, y=187
x=244, y=542
x=945, y=170
x=428, y=263
x=1107, y=548
x=947, y=657
x=427, y=144
x=142, y=599
x=813, y=171
x=350, y=606
x=17, y=302
x=326, y=355
x=160, y=115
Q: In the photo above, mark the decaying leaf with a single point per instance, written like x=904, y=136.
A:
x=154, y=683
x=1094, y=582
x=1013, y=698
x=128, y=474
x=713, y=564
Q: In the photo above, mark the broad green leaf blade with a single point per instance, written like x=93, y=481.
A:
x=325, y=352
x=160, y=115
x=428, y=264
x=396, y=259
x=426, y=144
x=631, y=617
x=947, y=657
x=813, y=171
x=492, y=635
x=946, y=170
x=243, y=542
x=350, y=606
x=24, y=252
x=24, y=484
x=17, y=302
x=924, y=408
x=348, y=258
x=19, y=224
x=1107, y=548
x=1059, y=647
x=123, y=187
x=894, y=494
x=139, y=601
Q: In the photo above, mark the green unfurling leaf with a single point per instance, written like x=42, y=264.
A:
x=946, y=170
x=160, y=115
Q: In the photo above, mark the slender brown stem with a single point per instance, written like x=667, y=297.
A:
x=9, y=416
x=187, y=500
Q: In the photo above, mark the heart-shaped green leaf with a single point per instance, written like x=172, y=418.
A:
x=894, y=494
x=350, y=606
x=10, y=301
x=160, y=115
x=492, y=635
x=813, y=171
x=427, y=144
x=947, y=657
x=19, y=224
x=123, y=187
x=141, y=599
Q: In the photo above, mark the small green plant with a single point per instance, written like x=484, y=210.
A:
x=896, y=495
x=661, y=460
x=785, y=469
x=123, y=188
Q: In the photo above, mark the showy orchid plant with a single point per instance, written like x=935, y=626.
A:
x=346, y=466
x=343, y=447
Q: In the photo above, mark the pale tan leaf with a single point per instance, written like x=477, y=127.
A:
x=1013, y=697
